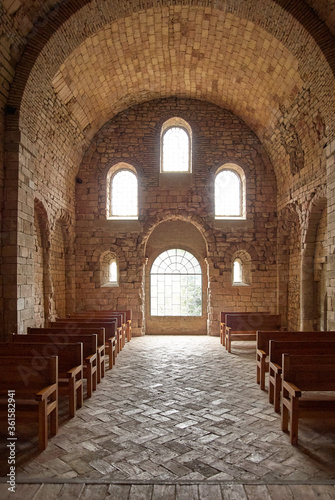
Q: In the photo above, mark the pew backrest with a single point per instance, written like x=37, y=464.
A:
x=309, y=372
x=99, y=332
x=69, y=355
x=253, y=322
x=89, y=342
x=263, y=338
x=27, y=375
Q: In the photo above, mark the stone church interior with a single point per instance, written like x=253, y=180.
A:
x=167, y=249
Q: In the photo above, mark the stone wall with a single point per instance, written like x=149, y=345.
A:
x=217, y=137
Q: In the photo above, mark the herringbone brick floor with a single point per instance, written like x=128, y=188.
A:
x=179, y=410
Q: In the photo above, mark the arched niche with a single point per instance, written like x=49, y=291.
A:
x=183, y=235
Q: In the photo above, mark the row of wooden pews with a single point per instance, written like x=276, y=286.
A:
x=46, y=362
x=300, y=366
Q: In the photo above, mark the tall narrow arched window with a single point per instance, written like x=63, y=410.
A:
x=229, y=193
x=237, y=271
x=176, y=146
x=112, y=271
x=122, y=192
x=176, y=284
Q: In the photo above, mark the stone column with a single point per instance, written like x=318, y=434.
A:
x=330, y=153
x=18, y=231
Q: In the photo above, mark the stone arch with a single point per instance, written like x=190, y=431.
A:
x=62, y=260
x=100, y=258
x=174, y=233
x=288, y=265
x=43, y=290
x=313, y=267
x=246, y=261
x=169, y=215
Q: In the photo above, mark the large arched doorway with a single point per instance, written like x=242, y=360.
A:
x=176, y=280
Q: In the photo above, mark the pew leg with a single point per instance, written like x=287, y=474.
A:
x=80, y=396
x=54, y=416
x=294, y=419
x=42, y=425
x=89, y=381
x=95, y=379
x=271, y=392
x=284, y=412
x=72, y=397
x=277, y=390
x=99, y=367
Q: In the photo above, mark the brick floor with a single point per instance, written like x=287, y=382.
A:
x=184, y=419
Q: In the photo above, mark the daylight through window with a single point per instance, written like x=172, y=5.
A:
x=176, y=150
x=228, y=194
x=176, y=284
x=124, y=195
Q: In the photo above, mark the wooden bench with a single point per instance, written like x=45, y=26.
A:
x=107, y=313
x=278, y=348
x=244, y=327
x=70, y=364
x=99, y=332
x=263, y=346
x=89, y=352
x=35, y=382
x=118, y=317
x=312, y=374
x=223, y=322
x=110, y=326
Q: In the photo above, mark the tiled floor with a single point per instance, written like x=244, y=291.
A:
x=178, y=417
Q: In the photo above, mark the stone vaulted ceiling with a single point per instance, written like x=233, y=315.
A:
x=255, y=58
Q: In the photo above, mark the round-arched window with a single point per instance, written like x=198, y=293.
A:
x=176, y=284
x=229, y=193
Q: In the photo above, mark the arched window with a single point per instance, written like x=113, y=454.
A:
x=176, y=146
x=113, y=271
x=241, y=268
x=124, y=194
x=230, y=193
x=176, y=284
x=109, y=273
x=237, y=271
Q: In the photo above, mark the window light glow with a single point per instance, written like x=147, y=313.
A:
x=124, y=194
x=237, y=271
x=113, y=272
x=176, y=150
x=176, y=284
x=228, y=194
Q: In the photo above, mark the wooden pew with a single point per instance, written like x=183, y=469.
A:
x=70, y=364
x=120, y=319
x=244, y=327
x=35, y=382
x=263, y=347
x=110, y=326
x=306, y=373
x=234, y=313
x=99, y=332
x=89, y=352
x=278, y=348
x=106, y=313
